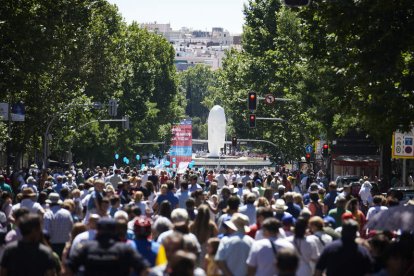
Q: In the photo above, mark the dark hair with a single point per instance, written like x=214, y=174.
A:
x=190, y=202
x=265, y=212
x=114, y=199
x=28, y=223
x=184, y=185
x=349, y=230
x=287, y=261
x=272, y=225
x=20, y=212
x=300, y=227
x=182, y=263
x=165, y=209
x=377, y=199
x=170, y=185
x=314, y=196
x=233, y=202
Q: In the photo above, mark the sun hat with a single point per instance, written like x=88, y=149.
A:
x=54, y=198
x=28, y=192
x=280, y=205
x=238, y=222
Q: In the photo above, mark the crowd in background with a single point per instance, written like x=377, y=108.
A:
x=108, y=221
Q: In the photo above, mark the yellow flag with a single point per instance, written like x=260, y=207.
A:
x=161, y=256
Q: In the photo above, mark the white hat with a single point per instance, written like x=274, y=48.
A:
x=54, y=198
x=238, y=222
x=280, y=205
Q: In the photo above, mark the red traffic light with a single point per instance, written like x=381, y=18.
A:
x=325, y=146
x=252, y=100
x=252, y=120
x=308, y=156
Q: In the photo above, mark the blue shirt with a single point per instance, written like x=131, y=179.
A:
x=195, y=187
x=182, y=198
x=293, y=209
x=329, y=200
x=170, y=197
x=148, y=249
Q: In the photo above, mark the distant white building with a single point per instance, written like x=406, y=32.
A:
x=195, y=47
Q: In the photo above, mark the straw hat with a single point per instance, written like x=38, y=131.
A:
x=280, y=205
x=238, y=222
x=28, y=192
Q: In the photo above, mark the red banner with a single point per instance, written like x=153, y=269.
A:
x=182, y=143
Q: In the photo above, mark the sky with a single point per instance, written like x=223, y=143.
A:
x=195, y=14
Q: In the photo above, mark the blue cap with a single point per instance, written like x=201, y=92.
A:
x=329, y=220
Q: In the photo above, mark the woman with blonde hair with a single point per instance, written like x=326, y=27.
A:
x=139, y=202
x=203, y=228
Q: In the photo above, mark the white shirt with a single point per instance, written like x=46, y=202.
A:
x=308, y=255
x=220, y=180
x=375, y=210
x=234, y=250
x=262, y=257
x=320, y=239
x=84, y=236
x=33, y=207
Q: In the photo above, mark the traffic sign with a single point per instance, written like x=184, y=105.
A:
x=308, y=149
x=269, y=99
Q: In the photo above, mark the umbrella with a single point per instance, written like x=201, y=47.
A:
x=395, y=218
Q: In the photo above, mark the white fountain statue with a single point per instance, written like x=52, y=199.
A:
x=216, y=130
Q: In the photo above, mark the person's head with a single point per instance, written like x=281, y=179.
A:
x=179, y=216
x=190, y=203
x=353, y=205
x=332, y=186
x=172, y=243
x=106, y=231
x=77, y=228
x=280, y=206
x=238, y=223
x=314, y=197
x=349, y=230
x=99, y=185
x=225, y=192
x=316, y=224
x=212, y=245
x=182, y=263
x=1, y=179
x=340, y=201
x=298, y=199
x=213, y=188
x=184, y=185
x=250, y=198
x=31, y=227
x=92, y=221
x=300, y=227
x=287, y=262
x=161, y=225
x=138, y=196
x=289, y=197
x=262, y=202
x=20, y=213
x=28, y=193
x=164, y=189
x=263, y=213
x=165, y=209
x=377, y=200
x=271, y=227
x=142, y=228
x=170, y=185
x=233, y=203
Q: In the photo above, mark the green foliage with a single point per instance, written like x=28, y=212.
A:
x=60, y=56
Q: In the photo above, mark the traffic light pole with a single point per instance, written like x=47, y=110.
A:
x=271, y=119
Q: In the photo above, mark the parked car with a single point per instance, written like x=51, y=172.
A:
x=346, y=179
x=403, y=194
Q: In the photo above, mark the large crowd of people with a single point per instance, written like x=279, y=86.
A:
x=125, y=221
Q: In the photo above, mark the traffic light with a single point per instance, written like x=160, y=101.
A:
x=234, y=141
x=308, y=157
x=252, y=120
x=252, y=100
x=325, y=150
x=113, y=108
x=296, y=3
